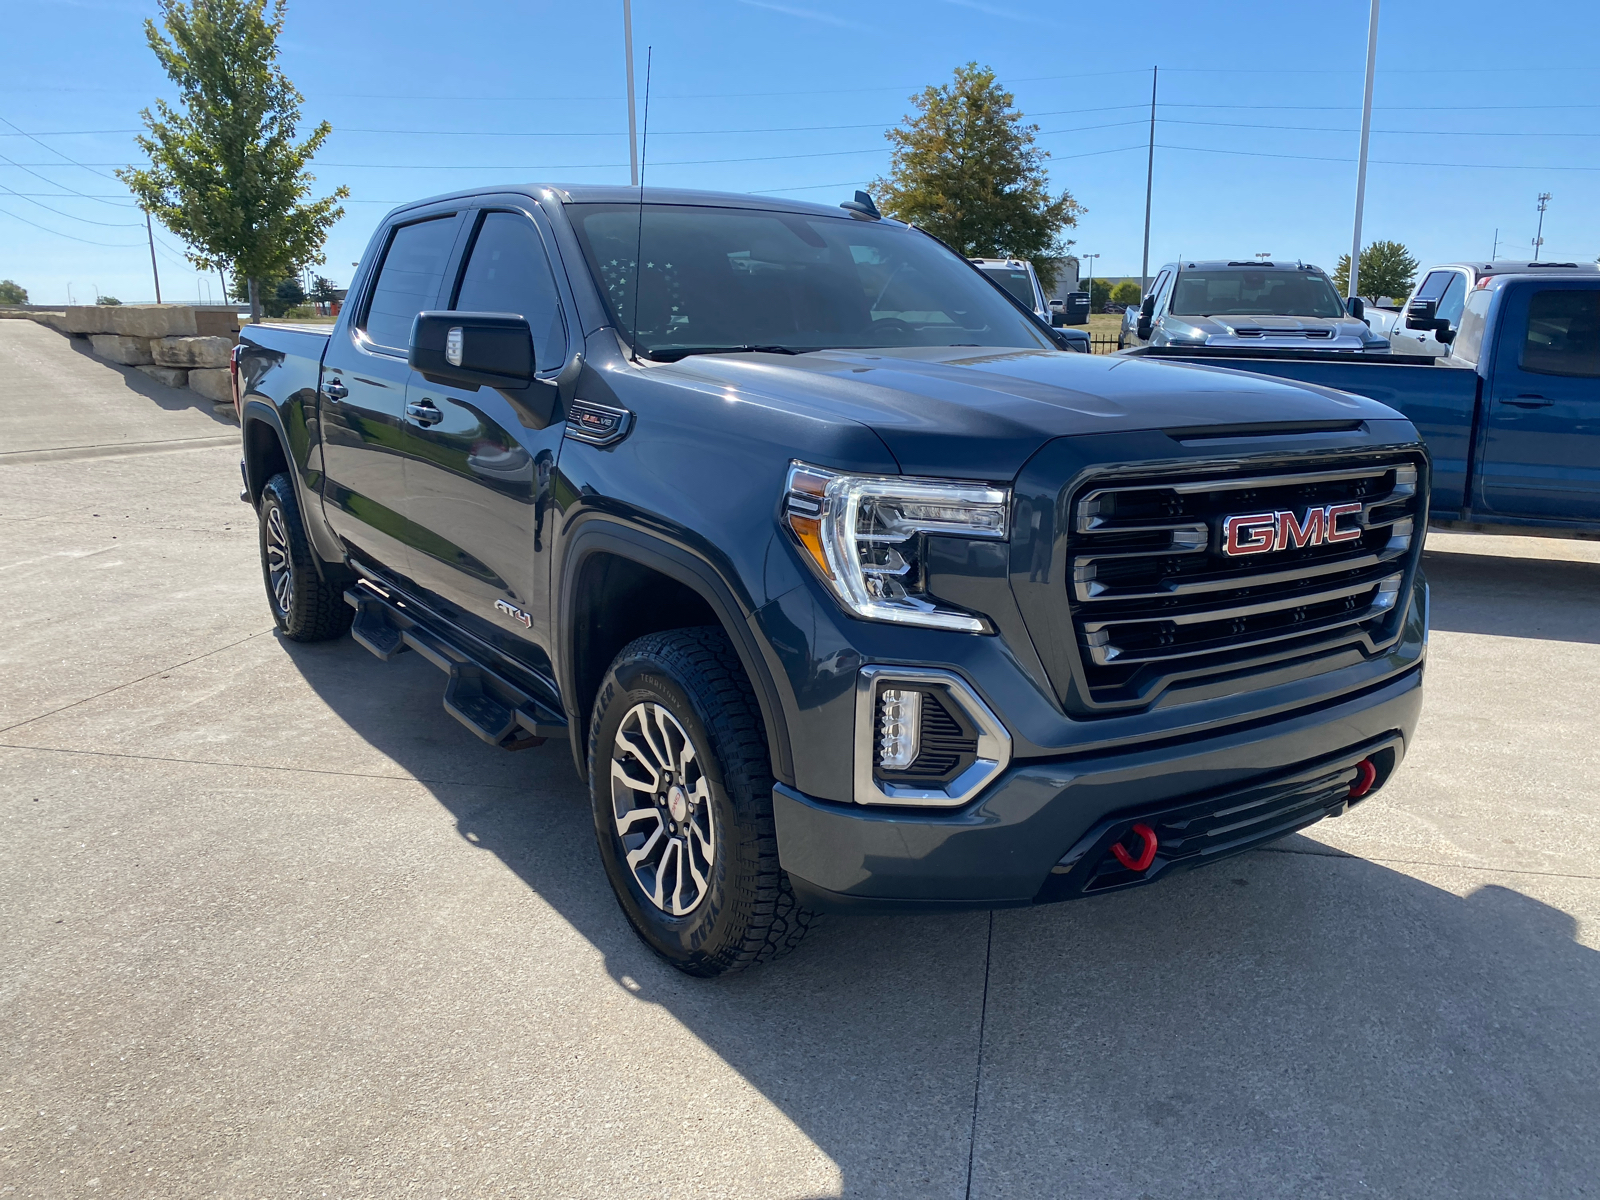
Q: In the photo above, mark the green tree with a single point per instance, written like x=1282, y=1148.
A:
x=12, y=292
x=966, y=169
x=108, y=301
x=1387, y=269
x=226, y=174
x=1127, y=292
x=1099, y=294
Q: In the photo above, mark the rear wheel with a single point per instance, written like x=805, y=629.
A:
x=305, y=607
x=681, y=785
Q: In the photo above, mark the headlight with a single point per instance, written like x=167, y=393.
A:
x=863, y=535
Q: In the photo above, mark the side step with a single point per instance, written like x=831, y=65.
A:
x=489, y=704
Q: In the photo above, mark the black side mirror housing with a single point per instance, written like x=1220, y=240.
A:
x=473, y=349
x=1424, y=314
x=1147, y=310
x=1356, y=307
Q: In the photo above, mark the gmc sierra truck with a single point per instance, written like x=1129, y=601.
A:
x=847, y=588
x=1510, y=411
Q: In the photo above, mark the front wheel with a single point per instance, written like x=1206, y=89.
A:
x=305, y=607
x=681, y=784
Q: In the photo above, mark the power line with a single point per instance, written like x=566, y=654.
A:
x=69, y=216
x=50, y=148
x=1388, y=162
x=1344, y=129
x=68, y=236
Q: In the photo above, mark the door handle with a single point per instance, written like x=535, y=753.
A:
x=1527, y=401
x=424, y=413
x=335, y=390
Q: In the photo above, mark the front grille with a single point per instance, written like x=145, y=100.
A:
x=1155, y=598
x=1258, y=331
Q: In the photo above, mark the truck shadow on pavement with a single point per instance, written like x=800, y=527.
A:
x=1292, y=1022
x=1546, y=598
x=168, y=399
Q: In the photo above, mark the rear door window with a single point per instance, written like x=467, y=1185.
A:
x=508, y=271
x=1563, y=335
x=408, y=280
x=1434, y=284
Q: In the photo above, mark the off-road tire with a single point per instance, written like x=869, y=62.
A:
x=316, y=611
x=749, y=913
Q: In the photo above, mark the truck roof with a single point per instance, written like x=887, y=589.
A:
x=1225, y=264
x=593, y=193
x=1512, y=266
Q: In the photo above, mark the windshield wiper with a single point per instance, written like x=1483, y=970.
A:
x=674, y=353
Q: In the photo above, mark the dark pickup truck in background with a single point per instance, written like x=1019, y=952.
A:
x=1510, y=413
x=845, y=585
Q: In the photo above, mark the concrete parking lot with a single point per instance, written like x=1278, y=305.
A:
x=273, y=924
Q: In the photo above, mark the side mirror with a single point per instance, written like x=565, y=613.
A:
x=1356, y=307
x=473, y=349
x=1424, y=314
x=1147, y=311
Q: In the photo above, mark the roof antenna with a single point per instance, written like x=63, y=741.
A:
x=638, y=245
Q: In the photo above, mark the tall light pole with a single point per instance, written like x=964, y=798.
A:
x=1366, y=133
x=1089, y=258
x=1149, y=177
x=1538, y=238
x=633, y=127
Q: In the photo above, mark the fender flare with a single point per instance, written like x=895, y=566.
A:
x=598, y=535
x=326, y=551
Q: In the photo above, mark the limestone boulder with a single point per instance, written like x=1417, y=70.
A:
x=154, y=320
x=214, y=383
x=192, y=351
x=87, y=318
x=171, y=376
x=217, y=322
x=114, y=347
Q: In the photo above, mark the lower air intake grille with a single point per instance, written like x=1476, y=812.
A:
x=1183, y=578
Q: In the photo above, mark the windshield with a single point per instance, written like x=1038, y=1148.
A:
x=726, y=278
x=1255, y=294
x=1014, y=281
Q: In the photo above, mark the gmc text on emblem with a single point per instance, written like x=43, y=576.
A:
x=1260, y=533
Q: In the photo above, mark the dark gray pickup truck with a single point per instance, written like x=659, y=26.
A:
x=846, y=586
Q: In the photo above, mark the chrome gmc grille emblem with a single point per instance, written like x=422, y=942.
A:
x=1264, y=532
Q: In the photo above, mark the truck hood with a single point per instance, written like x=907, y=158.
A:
x=982, y=413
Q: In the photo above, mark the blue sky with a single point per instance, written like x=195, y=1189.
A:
x=1480, y=106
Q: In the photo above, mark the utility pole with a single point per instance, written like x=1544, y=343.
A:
x=1089, y=258
x=1149, y=178
x=1538, y=238
x=150, y=233
x=1366, y=133
x=633, y=127
x=1496, y=249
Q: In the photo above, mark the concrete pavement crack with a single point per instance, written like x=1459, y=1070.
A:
x=1423, y=862
x=977, y=1080
x=241, y=766
x=116, y=449
x=131, y=682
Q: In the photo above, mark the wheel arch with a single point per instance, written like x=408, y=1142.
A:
x=594, y=621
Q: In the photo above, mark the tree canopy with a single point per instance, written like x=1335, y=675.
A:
x=1387, y=269
x=12, y=292
x=966, y=169
x=226, y=173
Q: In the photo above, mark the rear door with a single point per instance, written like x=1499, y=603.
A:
x=481, y=461
x=1541, y=454
x=365, y=376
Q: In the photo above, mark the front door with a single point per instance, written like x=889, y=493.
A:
x=1449, y=290
x=479, y=473
x=1542, y=438
x=365, y=376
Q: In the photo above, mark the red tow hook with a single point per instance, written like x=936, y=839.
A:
x=1366, y=776
x=1146, y=856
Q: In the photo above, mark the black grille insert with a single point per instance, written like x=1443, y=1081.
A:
x=1321, y=558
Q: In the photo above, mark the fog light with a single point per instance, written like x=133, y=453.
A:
x=1388, y=593
x=899, y=727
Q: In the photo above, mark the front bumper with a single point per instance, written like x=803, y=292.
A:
x=1006, y=849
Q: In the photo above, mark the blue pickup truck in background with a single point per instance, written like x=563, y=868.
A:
x=1510, y=414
